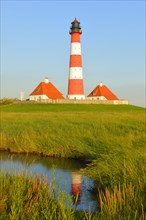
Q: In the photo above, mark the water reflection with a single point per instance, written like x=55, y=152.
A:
x=76, y=187
x=64, y=171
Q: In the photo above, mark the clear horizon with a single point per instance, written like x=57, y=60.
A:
x=35, y=43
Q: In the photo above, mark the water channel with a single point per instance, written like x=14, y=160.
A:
x=66, y=172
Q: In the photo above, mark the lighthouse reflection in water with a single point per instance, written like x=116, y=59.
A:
x=66, y=172
x=76, y=187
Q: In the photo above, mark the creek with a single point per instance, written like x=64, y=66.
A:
x=64, y=171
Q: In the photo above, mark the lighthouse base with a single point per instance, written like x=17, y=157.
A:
x=76, y=97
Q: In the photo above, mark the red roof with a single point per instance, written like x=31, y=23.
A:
x=75, y=20
x=102, y=90
x=47, y=89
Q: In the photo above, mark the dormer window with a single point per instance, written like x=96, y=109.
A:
x=37, y=90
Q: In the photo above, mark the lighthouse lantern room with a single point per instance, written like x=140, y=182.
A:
x=75, y=82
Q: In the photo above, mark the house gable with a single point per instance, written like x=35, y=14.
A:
x=102, y=91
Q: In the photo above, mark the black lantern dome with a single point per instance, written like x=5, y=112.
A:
x=75, y=27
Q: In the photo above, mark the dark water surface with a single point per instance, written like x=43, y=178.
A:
x=65, y=172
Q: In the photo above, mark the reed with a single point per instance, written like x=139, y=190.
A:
x=121, y=203
x=27, y=197
x=120, y=184
x=113, y=137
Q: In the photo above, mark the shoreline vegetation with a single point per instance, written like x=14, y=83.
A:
x=111, y=137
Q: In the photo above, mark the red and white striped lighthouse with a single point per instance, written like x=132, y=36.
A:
x=75, y=83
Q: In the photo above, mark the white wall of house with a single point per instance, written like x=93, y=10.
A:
x=96, y=98
x=76, y=97
x=37, y=97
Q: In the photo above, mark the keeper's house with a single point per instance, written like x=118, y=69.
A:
x=45, y=90
x=101, y=92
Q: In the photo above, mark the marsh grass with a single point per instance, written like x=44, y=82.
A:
x=113, y=137
x=27, y=197
x=24, y=197
x=71, y=130
x=120, y=185
x=121, y=203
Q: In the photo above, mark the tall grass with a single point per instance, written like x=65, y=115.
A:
x=120, y=183
x=123, y=203
x=26, y=197
x=86, y=131
x=112, y=136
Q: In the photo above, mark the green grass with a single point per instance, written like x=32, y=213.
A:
x=123, y=203
x=8, y=106
x=25, y=198
x=71, y=130
x=113, y=137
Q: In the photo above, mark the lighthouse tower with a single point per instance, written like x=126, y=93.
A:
x=75, y=83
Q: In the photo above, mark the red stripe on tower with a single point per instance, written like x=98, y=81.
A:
x=75, y=82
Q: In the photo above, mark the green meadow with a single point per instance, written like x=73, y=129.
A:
x=112, y=137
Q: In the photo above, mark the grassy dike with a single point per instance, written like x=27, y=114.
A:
x=113, y=137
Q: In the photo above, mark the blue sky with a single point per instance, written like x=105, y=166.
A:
x=35, y=43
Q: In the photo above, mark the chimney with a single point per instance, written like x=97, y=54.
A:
x=101, y=84
x=46, y=80
x=22, y=96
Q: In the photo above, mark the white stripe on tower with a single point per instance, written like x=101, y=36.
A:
x=76, y=73
x=75, y=49
x=75, y=83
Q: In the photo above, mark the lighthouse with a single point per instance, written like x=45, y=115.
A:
x=75, y=82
